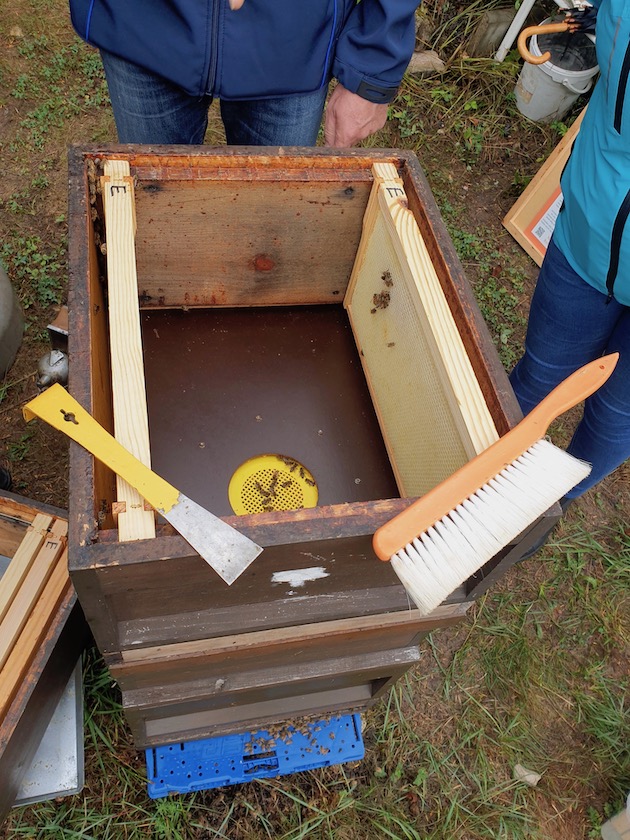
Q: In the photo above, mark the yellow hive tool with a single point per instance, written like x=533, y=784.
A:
x=223, y=547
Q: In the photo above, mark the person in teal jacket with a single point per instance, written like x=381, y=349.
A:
x=580, y=309
x=269, y=63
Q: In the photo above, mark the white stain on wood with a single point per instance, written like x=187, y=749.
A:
x=298, y=577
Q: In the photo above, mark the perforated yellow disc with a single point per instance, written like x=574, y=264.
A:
x=271, y=482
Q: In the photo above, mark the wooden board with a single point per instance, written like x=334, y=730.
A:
x=432, y=412
x=532, y=218
x=131, y=424
x=229, y=655
x=22, y=561
x=31, y=588
x=204, y=709
x=20, y=657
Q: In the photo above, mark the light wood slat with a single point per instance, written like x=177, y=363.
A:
x=412, y=250
x=429, y=403
x=131, y=425
x=35, y=628
x=32, y=586
x=22, y=560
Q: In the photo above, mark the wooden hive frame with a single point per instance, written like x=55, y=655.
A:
x=184, y=656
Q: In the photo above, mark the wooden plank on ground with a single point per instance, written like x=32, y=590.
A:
x=532, y=217
x=32, y=587
x=432, y=412
x=22, y=561
x=131, y=424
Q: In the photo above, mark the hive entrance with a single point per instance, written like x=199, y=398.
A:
x=271, y=482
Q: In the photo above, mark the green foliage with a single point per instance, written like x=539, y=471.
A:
x=37, y=270
x=19, y=450
x=498, y=287
x=62, y=83
x=405, y=114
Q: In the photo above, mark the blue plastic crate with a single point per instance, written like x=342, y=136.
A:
x=234, y=759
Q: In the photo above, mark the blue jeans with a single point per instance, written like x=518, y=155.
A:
x=570, y=324
x=150, y=110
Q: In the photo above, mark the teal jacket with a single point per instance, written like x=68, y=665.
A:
x=592, y=229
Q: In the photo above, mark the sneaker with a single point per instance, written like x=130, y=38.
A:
x=5, y=479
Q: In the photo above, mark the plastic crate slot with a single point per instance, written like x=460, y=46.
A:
x=257, y=756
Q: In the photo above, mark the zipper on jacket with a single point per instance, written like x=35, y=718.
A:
x=333, y=35
x=615, y=244
x=88, y=21
x=621, y=90
x=214, y=46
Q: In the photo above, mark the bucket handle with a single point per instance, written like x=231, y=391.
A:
x=570, y=87
x=542, y=29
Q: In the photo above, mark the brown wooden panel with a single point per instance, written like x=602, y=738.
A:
x=246, y=244
x=225, y=385
x=246, y=687
x=342, y=689
x=147, y=732
x=275, y=648
x=11, y=534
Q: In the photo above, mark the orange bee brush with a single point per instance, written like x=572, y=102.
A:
x=446, y=536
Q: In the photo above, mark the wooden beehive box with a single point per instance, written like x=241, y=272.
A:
x=244, y=262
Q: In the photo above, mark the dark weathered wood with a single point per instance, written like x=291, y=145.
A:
x=229, y=655
x=244, y=687
x=149, y=733
x=98, y=612
x=322, y=687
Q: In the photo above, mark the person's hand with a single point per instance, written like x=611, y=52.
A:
x=236, y=4
x=350, y=118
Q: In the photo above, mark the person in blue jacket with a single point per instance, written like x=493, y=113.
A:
x=580, y=309
x=269, y=63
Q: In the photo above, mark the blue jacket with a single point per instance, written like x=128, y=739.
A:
x=267, y=48
x=592, y=229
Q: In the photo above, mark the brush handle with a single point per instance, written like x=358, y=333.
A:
x=424, y=512
x=63, y=412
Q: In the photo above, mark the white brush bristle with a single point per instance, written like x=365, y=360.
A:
x=438, y=561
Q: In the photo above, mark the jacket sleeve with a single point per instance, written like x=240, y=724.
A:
x=375, y=46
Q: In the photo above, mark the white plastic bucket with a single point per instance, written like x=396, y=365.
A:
x=546, y=92
x=11, y=324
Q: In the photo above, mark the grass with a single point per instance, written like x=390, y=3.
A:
x=537, y=674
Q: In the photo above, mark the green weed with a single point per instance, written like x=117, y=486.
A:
x=498, y=287
x=47, y=85
x=37, y=270
x=19, y=450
